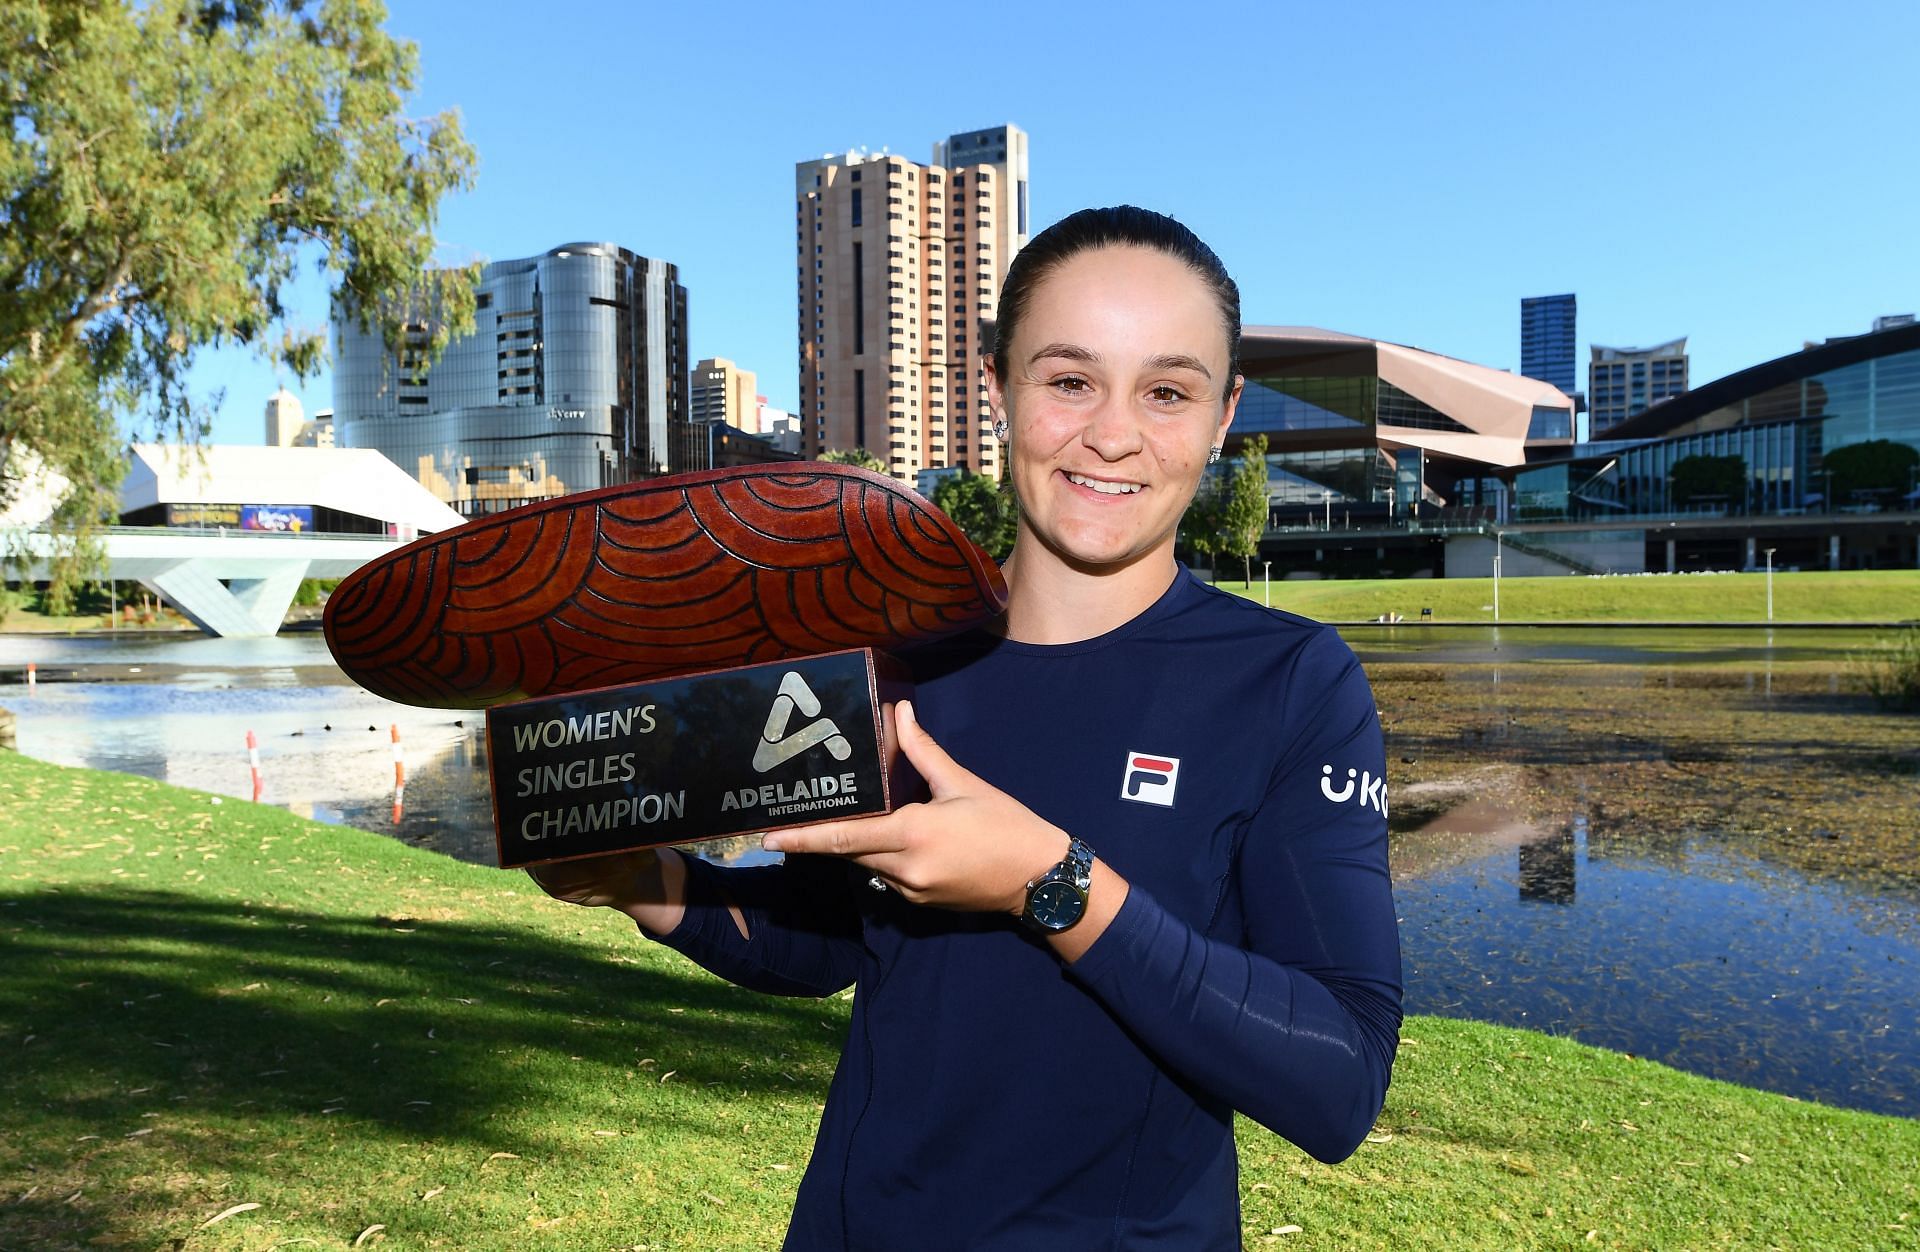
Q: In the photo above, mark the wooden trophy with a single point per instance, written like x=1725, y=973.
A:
x=676, y=659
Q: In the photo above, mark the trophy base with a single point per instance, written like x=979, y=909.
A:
x=698, y=756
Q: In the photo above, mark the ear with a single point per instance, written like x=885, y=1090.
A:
x=996, y=393
x=1232, y=406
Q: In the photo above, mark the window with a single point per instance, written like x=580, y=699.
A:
x=856, y=205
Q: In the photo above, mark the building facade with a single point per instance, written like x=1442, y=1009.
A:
x=285, y=416
x=723, y=392
x=575, y=377
x=899, y=266
x=1547, y=330
x=1623, y=383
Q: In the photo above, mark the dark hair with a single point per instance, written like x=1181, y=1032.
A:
x=1123, y=225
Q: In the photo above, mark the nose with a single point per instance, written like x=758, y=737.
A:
x=1113, y=429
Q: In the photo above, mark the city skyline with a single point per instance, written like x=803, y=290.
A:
x=1425, y=234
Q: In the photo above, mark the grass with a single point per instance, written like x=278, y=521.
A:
x=1891, y=674
x=209, y=1005
x=1883, y=596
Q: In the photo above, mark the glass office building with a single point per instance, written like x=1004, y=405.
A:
x=575, y=377
x=1546, y=339
x=1773, y=427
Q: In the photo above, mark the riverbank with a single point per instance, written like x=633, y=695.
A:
x=1867, y=597
x=213, y=1005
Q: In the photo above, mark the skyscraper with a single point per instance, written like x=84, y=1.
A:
x=285, y=417
x=575, y=377
x=723, y=392
x=1547, y=339
x=1626, y=382
x=899, y=263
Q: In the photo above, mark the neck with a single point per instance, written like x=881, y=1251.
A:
x=1053, y=600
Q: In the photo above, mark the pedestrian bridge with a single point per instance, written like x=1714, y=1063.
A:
x=226, y=582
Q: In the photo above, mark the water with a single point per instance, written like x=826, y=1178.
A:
x=1699, y=957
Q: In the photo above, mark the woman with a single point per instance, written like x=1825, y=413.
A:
x=1150, y=886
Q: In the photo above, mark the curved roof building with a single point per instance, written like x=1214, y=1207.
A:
x=1362, y=422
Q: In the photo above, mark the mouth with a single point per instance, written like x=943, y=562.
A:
x=1103, y=486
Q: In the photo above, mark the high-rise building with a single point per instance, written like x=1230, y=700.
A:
x=777, y=426
x=575, y=377
x=1625, y=382
x=723, y=392
x=1547, y=339
x=285, y=417
x=899, y=265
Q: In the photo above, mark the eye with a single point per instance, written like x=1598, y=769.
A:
x=1071, y=384
x=1166, y=394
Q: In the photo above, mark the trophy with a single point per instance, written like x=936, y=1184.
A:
x=676, y=659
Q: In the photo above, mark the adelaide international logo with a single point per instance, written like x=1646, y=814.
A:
x=777, y=746
x=1361, y=786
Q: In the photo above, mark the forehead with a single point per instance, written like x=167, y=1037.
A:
x=1124, y=303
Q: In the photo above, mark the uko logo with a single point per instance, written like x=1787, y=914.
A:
x=777, y=747
x=1150, y=779
x=1370, y=792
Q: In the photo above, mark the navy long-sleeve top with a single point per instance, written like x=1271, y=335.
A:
x=1224, y=759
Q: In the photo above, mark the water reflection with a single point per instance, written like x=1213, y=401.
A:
x=1695, y=956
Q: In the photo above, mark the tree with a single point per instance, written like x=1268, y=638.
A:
x=983, y=509
x=166, y=167
x=1709, y=480
x=1876, y=466
x=1243, y=513
x=1203, y=523
x=854, y=456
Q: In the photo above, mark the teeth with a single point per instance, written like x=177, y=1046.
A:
x=1105, y=489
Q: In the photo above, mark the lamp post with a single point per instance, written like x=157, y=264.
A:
x=1496, y=577
x=1770, y=552
x=1326, y=497
x=1267, y=566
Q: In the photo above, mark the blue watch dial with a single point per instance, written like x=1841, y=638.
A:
x=1055, y=905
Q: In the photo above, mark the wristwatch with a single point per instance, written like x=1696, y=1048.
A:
x=1058, y=898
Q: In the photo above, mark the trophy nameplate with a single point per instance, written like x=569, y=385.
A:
x=698, y=756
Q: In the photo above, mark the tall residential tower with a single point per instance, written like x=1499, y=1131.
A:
x=1625, y=382
x=899, y=264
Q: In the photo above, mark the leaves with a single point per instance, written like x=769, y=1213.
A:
x=161, y=180
x=224, y=1214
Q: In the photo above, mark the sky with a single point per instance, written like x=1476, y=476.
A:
x=1744, y=174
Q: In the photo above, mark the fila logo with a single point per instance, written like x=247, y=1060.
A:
x=777, y=747
x=1150, y=779
x=1372, y=792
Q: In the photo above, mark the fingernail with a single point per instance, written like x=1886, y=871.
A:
x=904, y=711
x=773, y=843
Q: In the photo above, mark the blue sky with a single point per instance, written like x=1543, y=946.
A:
x=1745, y=174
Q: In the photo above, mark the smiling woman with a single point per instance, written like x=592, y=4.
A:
x=1129, y=909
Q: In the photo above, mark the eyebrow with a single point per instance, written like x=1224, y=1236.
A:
x=1164, y=361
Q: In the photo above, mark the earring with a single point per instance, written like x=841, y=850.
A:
x=1213, y=454
x=1000, y=429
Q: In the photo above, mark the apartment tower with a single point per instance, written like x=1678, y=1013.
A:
x=1626, y=382
x=723, y=392
x=899, y=266
x=1546, y=339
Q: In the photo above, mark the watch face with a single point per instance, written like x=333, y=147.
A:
x=1055, y=905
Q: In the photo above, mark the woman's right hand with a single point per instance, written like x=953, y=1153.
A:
x=648, y=885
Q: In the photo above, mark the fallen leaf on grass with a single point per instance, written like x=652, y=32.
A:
x=135, y=1134
x=368, y=1233
x=670, y=1073
x=1383, y=1136
x=1284, y=1230
x=430, y=1194
x=224, y=1214
x=1744, y=1158
x=713, y=1199
x=499, y=1156
x=606, y=1134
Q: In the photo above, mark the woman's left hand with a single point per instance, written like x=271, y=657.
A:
x=971, y=847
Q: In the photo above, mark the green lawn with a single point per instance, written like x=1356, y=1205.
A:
x=1864, y=596
x=207, y=1005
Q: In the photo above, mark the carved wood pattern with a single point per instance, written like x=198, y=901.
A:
x=693, y=572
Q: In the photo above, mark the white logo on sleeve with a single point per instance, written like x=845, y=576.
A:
x=1149, y=779
x=777, y=747
x=1369, y=792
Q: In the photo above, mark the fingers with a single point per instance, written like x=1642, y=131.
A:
x=943, y=774
x=862, y=837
